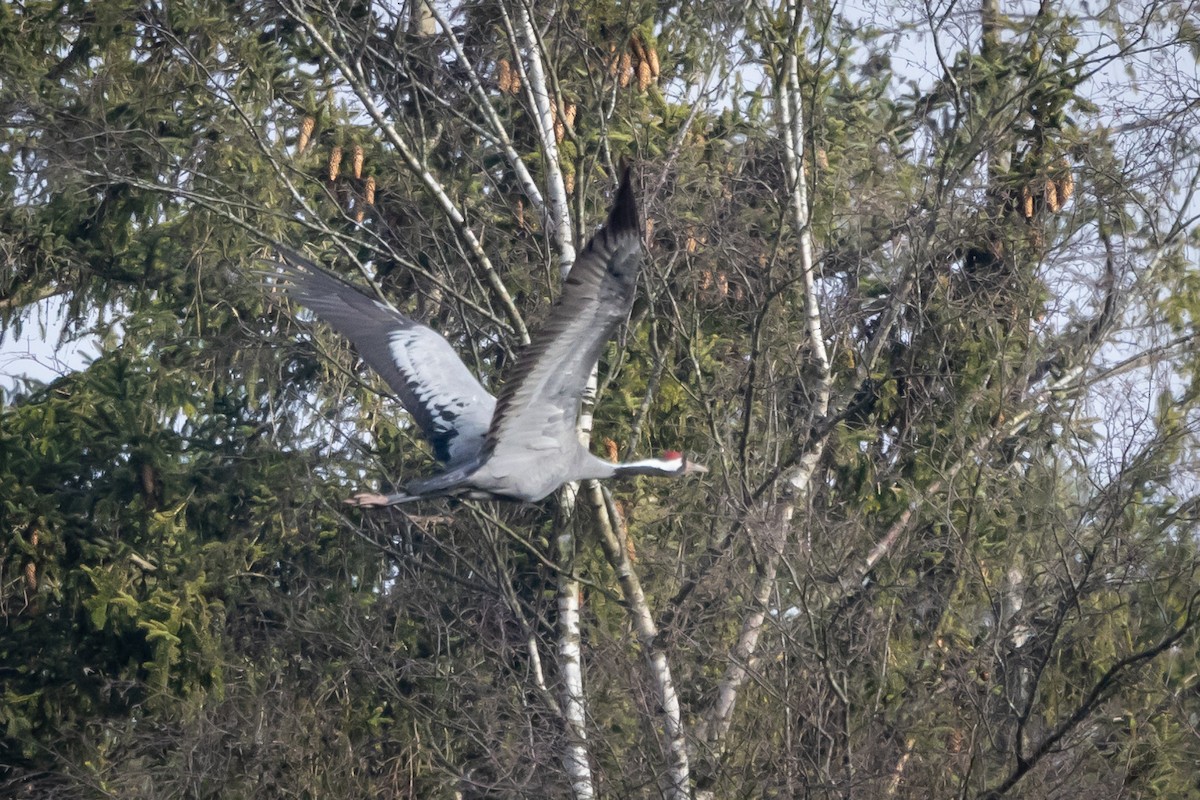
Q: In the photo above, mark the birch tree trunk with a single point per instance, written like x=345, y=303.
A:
x=775, y=530
x=677, y=782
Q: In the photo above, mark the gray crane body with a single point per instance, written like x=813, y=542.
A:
x=523, y=445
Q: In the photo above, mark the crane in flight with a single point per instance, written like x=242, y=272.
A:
x=523, y=445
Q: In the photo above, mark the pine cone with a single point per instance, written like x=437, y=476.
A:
x=1052, y=197
x=306, y=131
x=504, y=76
x=560, y=130
x=639, y=49
x=652, y=60
x=335, y=162
x=1066, y=181
x=644, y=77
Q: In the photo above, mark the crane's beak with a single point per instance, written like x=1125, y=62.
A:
x=691, y=466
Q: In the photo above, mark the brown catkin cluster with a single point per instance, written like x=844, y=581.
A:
x=639, y=64
x=507, y=78
x=306, y=132
x=335, y=162
x=560, y=125
x=1051, y=193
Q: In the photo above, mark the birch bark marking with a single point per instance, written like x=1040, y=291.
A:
x=557, y=213
x=534, y=79
x=484, y=104
x=570, y=655
x=612, y=534
x=454, y=216
x=714, y=728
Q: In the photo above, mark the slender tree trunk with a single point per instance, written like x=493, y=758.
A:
x=714, y=728
x=570, y=656
x=677, y=783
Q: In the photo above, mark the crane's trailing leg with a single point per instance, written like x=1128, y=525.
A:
x=523, y=445
x=373, y=500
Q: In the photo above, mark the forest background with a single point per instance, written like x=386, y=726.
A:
x=920, y=291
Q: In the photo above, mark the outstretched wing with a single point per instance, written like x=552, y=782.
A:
x=538, y=408
x=448, y=403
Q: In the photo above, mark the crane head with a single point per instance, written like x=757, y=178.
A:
x=677, y=463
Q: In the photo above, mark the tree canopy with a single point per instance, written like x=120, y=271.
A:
x=920, y=291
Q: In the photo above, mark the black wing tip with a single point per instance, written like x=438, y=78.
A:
x=291, y=259
x=624, y=214
x=282, y=260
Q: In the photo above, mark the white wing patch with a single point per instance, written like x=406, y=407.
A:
x=426, y=361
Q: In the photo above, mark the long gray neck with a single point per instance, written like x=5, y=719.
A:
x=597, y=468
x=592, y=468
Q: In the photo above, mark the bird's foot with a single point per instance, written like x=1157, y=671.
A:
x=368, y=500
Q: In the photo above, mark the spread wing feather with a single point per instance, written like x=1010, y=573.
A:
x=447, y=402
x=539, y=405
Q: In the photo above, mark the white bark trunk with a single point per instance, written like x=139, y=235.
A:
x=484, y=103
x=570, y=662
x=535, y=80
x=556, y=213
x=358, y=85
x=714, y=728
x=678, y=776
